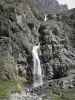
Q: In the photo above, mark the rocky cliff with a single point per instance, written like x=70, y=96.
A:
x=49, y=6
x=57, y=45
x=18, y=29
x=21, y=29
x=41, y=7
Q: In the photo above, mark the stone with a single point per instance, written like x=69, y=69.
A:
x=24, y=96
x=21, y=28
x=56, y=47
x=17, y=40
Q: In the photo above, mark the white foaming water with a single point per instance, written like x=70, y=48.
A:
x=37, y=67
x=45, y=19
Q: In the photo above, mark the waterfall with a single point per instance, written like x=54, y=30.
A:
x=45, y=19
x=37, y=75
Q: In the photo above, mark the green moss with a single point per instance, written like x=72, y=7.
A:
x=49, y=91
x=66, y=94
x=7, y=87
x=21, y=81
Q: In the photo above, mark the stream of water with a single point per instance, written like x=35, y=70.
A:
x=37, y=72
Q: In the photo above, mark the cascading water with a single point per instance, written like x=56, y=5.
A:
x=45, y=19
x=37, y=75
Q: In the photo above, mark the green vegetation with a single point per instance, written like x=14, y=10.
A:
x=49, y=91
x=6, y=5
x=7, y=87
x=66, y=94
x=21, y=81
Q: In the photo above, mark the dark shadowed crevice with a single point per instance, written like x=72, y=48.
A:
x=30, y=25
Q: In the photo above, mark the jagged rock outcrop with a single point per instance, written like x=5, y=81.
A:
x=18, y=34
x=41, y=7
x=20, y=30
x=57, y=45
x=49, y=6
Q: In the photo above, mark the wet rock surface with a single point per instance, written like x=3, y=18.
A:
x=53, y=87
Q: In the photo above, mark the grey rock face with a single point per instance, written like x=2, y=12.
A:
x=56, y=47
x=42, y=7
x=16, y=40
x=19, y=33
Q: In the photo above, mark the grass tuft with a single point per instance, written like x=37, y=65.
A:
x=8, y=87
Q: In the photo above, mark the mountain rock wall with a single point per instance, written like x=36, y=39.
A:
x=20, y=30
x=18, y=34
